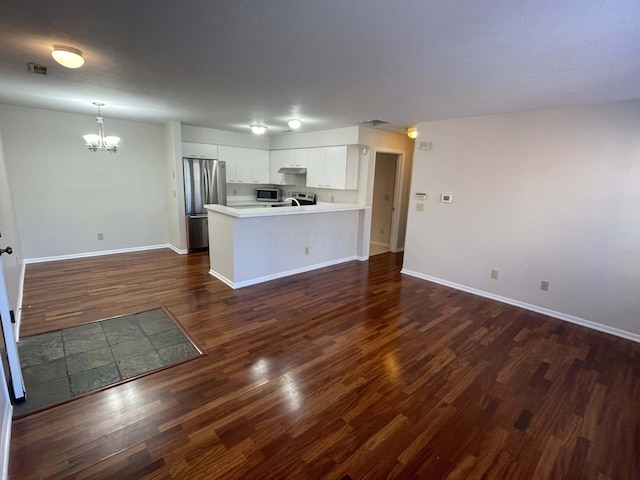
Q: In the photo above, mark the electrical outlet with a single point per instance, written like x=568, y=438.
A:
x=174, y=174
x=331, y=198
x=306, y=250
x=494, y=274
x=235, y=192
x=100, y=236
x=419, y=207
x=544, y=285
x=174, y=194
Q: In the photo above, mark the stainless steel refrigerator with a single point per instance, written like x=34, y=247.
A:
x=205, y=182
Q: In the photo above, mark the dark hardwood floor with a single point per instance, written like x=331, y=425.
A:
x=353, y=371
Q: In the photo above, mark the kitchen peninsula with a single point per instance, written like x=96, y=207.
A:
x=254, y=245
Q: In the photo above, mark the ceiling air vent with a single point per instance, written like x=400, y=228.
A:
x=373, y=123
x=39, y=69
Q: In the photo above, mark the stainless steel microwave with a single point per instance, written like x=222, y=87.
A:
x=268, y=195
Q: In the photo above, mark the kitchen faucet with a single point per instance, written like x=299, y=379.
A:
x=293, y=200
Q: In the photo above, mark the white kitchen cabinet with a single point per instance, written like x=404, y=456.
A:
x=300, y=157
x=227, y=154
x=245, y=165
x=260, y=169
x=199, y=150
x=279, y=159
x=333, y=167
x=315, y=167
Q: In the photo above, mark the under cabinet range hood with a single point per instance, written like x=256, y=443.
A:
x=293, y=170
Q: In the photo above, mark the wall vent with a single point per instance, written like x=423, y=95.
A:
x=373, y=123
x=39, y=69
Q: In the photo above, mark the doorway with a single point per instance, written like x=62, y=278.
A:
x=383, y=207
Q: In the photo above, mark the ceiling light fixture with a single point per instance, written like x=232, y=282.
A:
x=99, y=141
x=413, y=133
x=258, y=129
x=294, y=124
x=67, y=56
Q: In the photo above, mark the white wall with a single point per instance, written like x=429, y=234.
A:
x=547, y=195
x=322, y=138
x=175, y=188
x=64, y=194
x=223, y=137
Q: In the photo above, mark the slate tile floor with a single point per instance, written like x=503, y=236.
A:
x=60, y=365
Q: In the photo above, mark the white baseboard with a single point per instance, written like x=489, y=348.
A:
x=222, y=278
x=379, y=244
x=527, y=306
x=177, y=250
x=95, y=254
x=275, y=276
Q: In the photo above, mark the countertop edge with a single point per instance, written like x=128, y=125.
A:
x=281, y=211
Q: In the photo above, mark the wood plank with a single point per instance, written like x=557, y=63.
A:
x=353, y=371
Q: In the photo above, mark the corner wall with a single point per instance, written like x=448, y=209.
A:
x=64, y=194
x=547, y=195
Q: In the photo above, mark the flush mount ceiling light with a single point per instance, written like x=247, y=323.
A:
x=67, y=56
x=100, y=141
x=294, y=124
x=412, y=133
x=258, y=129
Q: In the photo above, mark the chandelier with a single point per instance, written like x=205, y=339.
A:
x=99, y=141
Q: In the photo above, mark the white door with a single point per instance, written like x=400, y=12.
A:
x=9, y=336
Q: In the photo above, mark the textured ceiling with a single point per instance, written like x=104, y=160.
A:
x=332, y=63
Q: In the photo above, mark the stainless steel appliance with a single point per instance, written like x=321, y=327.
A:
x=268, y=194
x=205, y=182
x=298, y=199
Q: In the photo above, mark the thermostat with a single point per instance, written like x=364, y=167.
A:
x=446, y=198
x=421, y=196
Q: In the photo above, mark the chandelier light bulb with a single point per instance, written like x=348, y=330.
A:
x=68, y=57
x=99, y=141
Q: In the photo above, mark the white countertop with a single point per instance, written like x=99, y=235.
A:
x=260, y=211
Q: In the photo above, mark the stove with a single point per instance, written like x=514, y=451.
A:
x=303, y=197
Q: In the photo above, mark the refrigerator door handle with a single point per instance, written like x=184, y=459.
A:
x=206, y=186
x=199, y=215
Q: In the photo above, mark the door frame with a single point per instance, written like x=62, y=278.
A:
x=10, y=343
x=397, y=194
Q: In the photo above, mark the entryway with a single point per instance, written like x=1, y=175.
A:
x=384, y=221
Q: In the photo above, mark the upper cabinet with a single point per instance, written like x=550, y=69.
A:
x=279, y=159
x=245, y=165
x=333, y=167
x=199, y=150
x=260, y=171
x=300, y=157
x=327, y=167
